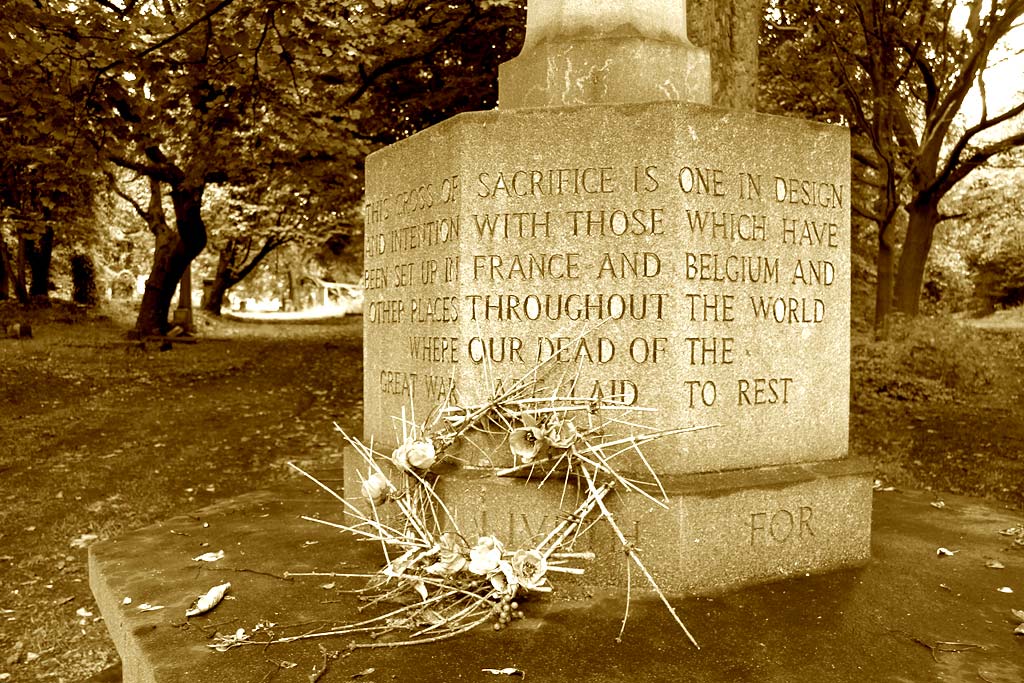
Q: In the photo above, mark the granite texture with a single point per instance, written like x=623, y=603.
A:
x=705, y=252
x=716, y=532
x=608, y=70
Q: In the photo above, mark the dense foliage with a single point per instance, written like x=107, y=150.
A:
x=902, y=74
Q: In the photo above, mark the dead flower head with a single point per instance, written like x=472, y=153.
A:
x=452, y=556
x=485, y=556
x=376, y=488
x=419, y=455
x=528, y=444
x=561, y=433
x=529, y=567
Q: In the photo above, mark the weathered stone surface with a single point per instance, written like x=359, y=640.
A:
x=816, y=628
x=719, y=532
x=605, y=71
x=706, y=252
x=605, y=53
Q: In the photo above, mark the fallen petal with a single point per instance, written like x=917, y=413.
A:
x=946, y=552
x=995, y=564
x=206, y=602
x=1018, y=614
x=209, y=557
x=146, y=607
x=507, y=671
x=1005, y=589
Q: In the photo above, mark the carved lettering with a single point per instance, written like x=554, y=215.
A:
x=780, y=526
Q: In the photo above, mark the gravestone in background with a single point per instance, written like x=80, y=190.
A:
x=706, y=253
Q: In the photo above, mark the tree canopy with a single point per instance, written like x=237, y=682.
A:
x=901, y=73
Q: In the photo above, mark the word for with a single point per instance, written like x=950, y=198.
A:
x=780, y=526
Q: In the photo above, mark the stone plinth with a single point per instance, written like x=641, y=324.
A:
x=703, y=253
x=816, y=628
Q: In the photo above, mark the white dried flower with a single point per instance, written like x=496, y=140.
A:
x=527, y=444
x=485, y=556
x=412, y=455
x=376, y=488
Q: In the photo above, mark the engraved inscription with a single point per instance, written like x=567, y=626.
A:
x=781, y=526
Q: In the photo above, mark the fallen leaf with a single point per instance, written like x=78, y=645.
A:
x=1019, y=631
x=939, y=504
x=507, y=671
x=1018, y=614
x=1005, y=589
x=327, y=586
x=83, y=612
x=209, y=557
x=946, y=552
x=995, y=564
x=207, y=601
x=146, y=607
x=364, y=672
x=126, y=600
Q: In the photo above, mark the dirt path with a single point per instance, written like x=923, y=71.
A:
x=99, y=437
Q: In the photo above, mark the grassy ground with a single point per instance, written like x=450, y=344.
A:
x=99, y=436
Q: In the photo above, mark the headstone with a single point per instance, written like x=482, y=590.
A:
x=704, y=252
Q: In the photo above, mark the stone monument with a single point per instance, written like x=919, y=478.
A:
x=704, y=253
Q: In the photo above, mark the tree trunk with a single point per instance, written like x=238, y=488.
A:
x=83, y=280
x=173, y=253
x=20, y=276
x=39, y=253
x=884, y=286
x=221, y=279
x=729, y=29
x=230, y=273
x=5, y=275
x=923, y=217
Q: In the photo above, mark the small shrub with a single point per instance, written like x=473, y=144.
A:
x=924, y=359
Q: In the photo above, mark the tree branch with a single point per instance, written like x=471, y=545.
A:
x=368, y=79
x=955, y=172
x=162, y=172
